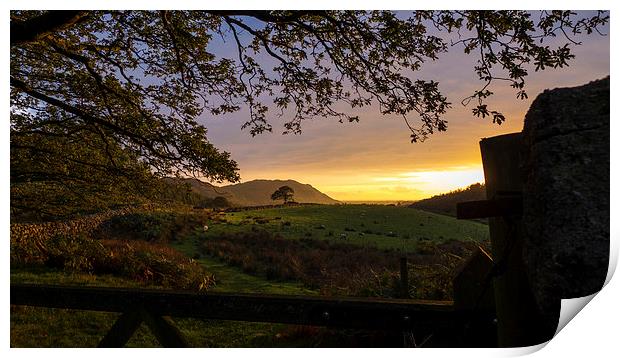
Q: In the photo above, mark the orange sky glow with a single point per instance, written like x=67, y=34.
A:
x=374, y=159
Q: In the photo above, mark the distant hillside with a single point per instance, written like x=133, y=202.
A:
x=195, y=192
x=446, y=203
x=258, y=192
x=255, y=192
x=202, y=189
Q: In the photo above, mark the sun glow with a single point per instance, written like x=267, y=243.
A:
x=411, y=185
x=444, y=180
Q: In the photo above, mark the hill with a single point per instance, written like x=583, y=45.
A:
x=446, y=203
x=258, y=192
x=253, y=193
x=205, y=190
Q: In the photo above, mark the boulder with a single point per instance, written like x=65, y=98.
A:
x=566, y=166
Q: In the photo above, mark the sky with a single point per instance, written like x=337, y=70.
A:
x=375, y=160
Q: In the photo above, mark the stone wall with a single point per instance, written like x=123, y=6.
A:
x=21, y=232
x=566, y=191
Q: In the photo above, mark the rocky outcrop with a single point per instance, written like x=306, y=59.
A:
x=566, y=186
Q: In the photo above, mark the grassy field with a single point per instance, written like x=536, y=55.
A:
x=263, y=243
x=48, y=327
x=383, y=227
x=232, y=279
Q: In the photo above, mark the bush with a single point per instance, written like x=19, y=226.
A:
x=160, y=227
x=138, y=260
x=73, y=253
x=221, y=202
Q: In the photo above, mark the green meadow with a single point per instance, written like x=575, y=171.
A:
x=380, y=226
x=390, y=228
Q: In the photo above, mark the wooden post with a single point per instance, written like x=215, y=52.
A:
x=404, y=278
x=121, y=330
x=164, y=329
x=473, y=292
x=127, y=324
x=472, y=287
x=519, y=320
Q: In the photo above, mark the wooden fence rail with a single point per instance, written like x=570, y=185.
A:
x=152, y=307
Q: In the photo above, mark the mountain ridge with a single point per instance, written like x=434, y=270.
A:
x=255, y=192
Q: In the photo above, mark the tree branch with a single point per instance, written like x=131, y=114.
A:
x=22, y=86
x=266, y=16
x=38, y=27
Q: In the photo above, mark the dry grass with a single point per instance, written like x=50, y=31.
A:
x=342, y=269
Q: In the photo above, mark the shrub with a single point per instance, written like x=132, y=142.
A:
x=152, y=263
x=138, y=260
x=72, y=253
x=221, y=202
x=159, y=227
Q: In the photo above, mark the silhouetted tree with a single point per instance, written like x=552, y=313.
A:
x=283, y=193
x=58, y=176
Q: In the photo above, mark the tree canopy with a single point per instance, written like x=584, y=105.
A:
x=55, y=175
x=137, y=82
x=283, y=193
